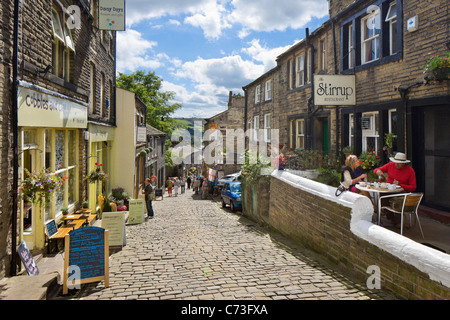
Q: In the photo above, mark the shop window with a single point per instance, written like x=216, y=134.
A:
x=369, y=123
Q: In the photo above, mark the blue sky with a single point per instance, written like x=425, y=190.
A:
x=203, y=49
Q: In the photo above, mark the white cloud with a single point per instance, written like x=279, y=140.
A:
x=265, y=15
x=133, y=51
x=211, y=19
x=263, y=54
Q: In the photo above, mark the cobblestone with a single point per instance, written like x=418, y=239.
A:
x=194, y=249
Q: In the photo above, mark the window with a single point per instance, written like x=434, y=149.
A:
x=63, y=49
x=102, y=94
x=267, y=128
x=350, y=130
x=291, y=134
x=369, y=122
x=370, y=37
x=255, y=127
x=289, y=74
x=376, y=36
x=322, y=55
x=258, y=94
x=300, y=133
x=391, y=19
x=300, y=74
x=92, y=90
x=268, y=90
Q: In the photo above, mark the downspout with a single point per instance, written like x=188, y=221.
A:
x=404, y=97
x=336, y=71
x=15, y=128
x=311, y=99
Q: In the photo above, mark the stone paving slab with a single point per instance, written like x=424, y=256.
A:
x=194, y=249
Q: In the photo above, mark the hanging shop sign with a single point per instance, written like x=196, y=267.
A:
x=334, y=90
x=38, y=108
x=111, y=15
x=141, y=134
x=86, y=257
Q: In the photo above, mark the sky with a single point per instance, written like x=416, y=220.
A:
x=203, y=49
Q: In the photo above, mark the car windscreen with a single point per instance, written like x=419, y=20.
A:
x=235, y=188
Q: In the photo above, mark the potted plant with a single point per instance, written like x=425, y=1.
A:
x=347, y=150
x=143, y=153
x=38, y=188
x=85, y=205
x=97, y=175
x=389, y=143
x=65, y=211
x=438, y=68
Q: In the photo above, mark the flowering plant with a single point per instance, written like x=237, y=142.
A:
x=439, y=67
x=97, y=174
x=37, y=188
x=369, y=160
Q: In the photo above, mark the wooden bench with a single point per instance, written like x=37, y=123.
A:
x=64, y=230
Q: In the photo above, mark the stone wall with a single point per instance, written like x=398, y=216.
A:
x=340, y=230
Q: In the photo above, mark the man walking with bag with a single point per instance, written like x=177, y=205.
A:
x=149, y=192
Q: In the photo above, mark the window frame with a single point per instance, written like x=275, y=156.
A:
x=299, y=133
x=258, y=94
x=375, y=38
x=267, y=125
x=268, y=90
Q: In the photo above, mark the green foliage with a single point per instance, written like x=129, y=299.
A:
x=255, y=168
x=38, y=188
x=147, y=87
x=438, y=67
x=301, y=159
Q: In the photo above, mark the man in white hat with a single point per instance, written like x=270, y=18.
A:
x=399, y=172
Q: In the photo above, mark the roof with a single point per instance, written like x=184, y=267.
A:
x=153, y=131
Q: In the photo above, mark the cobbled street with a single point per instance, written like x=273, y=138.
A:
x=195, y=249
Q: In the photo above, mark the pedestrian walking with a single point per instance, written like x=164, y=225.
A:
x=176, y=183
x=196, y=185
x=169, y=186
x=189, y=181
x=149, y=192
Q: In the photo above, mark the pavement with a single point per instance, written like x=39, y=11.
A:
x=195, y=250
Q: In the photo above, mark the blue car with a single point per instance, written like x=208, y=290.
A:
x=231, y=195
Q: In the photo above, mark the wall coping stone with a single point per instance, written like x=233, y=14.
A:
x=428, y=260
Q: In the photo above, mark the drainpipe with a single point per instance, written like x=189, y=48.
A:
x=309, y=143
x=15, y=128
x=336, y=71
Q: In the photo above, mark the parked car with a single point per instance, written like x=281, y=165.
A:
x=228, y=178
x=231, y=195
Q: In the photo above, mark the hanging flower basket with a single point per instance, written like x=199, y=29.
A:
x=97, y=174
x=37, y=188
x=438, y=68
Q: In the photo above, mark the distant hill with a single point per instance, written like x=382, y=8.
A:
x=188, y=124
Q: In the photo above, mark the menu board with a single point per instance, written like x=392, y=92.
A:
x=136, y=211
x=51, y=228
x=115, y=223
x=86, y=256
x=27, y=259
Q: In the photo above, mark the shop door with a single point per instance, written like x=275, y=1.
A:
x=436, y=157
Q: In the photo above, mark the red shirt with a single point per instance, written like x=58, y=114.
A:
x=405, y=176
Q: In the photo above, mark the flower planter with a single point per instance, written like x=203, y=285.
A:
x=440, y=74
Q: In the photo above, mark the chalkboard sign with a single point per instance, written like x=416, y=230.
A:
x=27, y=259
x=158, y=192
x=86, y=257
x=51, y=228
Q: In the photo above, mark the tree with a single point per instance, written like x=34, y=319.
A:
x=147, y=87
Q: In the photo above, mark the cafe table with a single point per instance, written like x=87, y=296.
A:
x=71, y=217
x=377, y=191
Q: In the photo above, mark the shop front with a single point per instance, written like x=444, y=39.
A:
x=101, y=139
x=50, y=127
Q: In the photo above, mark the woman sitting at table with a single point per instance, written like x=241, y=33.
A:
x=352, y=174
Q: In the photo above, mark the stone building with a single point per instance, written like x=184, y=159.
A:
x=66, y=89
x=383, y=45
x=155, y=164
x=231, y=119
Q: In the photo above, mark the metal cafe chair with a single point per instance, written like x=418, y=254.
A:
x=409, y=206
